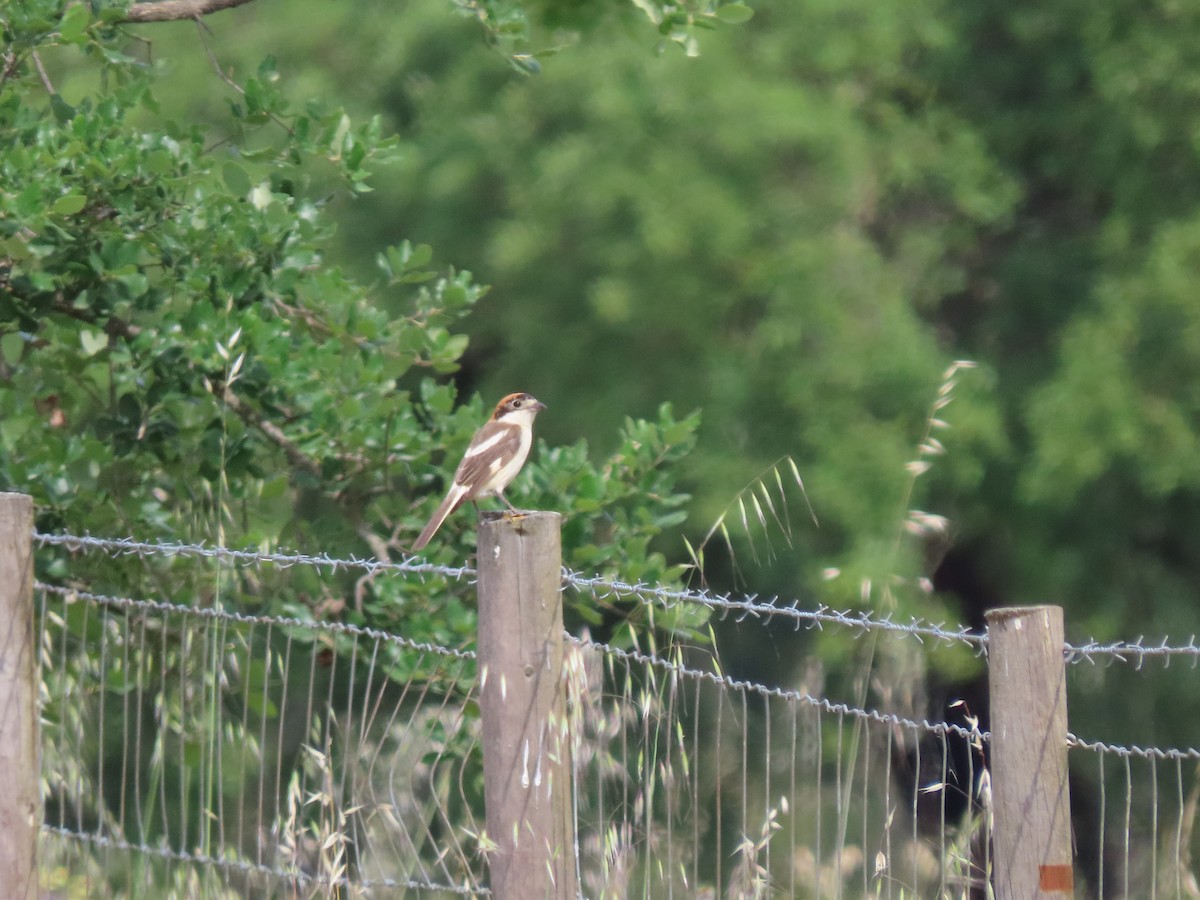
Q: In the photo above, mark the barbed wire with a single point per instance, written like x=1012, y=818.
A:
x=212, y=613
x=938, y=728
x=1133, y=751
x=743, y=607
x=243, y=867
x=750, y=606
x=1135, y=652
x=869, y=715
x=658, y=662
x=132, y=547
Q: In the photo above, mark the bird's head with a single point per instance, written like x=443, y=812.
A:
x=518, y=403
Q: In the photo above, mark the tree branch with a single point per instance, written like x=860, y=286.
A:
x=37, y=61
x=113, y=326
x=274, y=434
x=174, y=10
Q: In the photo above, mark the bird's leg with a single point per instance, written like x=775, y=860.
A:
x=513, y=511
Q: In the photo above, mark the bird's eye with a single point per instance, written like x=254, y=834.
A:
x=517, y=403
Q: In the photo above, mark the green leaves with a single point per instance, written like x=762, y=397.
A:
x=734, y=13
x=235, y=179
x=92, y=342
x=69, y=204
x=680, y=21
x=180, y=358
x=129, y=266
x=406, y=264
x=616, y=508
x=75, y=21
x=11, y=347
x=1124, y=398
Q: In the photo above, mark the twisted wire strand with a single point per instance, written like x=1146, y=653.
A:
x=1133, y=751
x=1136, y=652
x=132, y=547
x=751, y=606
x=160, y=606
x=941, y=729
x=221, y=615
x=248, y=868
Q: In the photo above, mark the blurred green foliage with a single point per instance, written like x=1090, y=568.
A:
x=796, y=232
x=180, y=358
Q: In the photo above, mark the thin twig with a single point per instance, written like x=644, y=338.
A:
x=46, y=83
x=201, y=28
x=12, y=62
x=113, y=325
x=297, y=457
x=212, y=58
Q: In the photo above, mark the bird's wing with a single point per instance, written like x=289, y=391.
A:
x=494, y=444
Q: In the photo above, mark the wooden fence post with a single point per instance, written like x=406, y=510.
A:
x=1027, y=680
x=526, y=746
x=20, y=797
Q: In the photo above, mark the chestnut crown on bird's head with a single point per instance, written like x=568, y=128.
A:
x=517, y=403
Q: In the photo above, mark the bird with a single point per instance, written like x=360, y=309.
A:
x=493, y=458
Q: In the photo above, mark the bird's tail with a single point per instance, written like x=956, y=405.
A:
x=453, y=501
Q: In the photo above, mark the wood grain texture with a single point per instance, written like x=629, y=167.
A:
x=526, y=745
x=20, y=800
x=1030, y=796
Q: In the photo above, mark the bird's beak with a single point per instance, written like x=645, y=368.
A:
x=539, y=405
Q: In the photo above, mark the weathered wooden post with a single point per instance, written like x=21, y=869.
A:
x=526, y=747
x=1030, y=797
x=20, y=798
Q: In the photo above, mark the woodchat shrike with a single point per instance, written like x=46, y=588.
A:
x=493, y=459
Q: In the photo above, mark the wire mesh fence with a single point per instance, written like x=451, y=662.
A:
x=208, y=752
x=189, y=750
x=1136, y=820
x=730, y=788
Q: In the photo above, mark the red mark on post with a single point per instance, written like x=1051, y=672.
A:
x=1056, y=878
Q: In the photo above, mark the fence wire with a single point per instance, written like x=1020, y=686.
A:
x=273, y=756
x=1135, y=822
x=1136, y=652
x=694, y=785
x=194, y=751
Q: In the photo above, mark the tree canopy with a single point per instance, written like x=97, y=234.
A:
x=183, y=360
x=797, y=232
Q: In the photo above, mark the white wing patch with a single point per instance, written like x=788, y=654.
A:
x=485, y=445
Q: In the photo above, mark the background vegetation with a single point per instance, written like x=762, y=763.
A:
x=792, y=223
